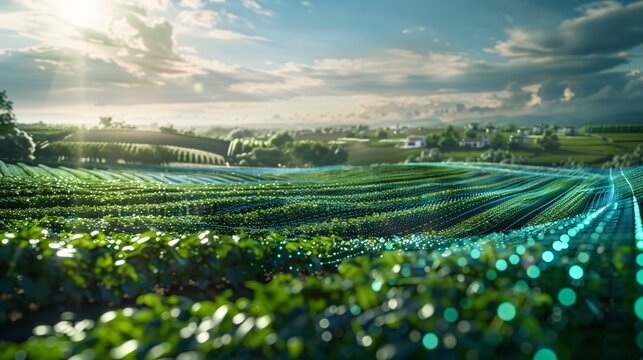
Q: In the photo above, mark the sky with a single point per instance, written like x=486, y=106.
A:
x=306, y=63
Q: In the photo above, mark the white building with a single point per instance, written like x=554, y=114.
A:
x=474, y=143
x=520, y=141
x=570, y=130
x=492, y=130
x=414, y=142
x=523, y=132
x=537, y=130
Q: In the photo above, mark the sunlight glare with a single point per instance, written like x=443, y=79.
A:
x=85, y=13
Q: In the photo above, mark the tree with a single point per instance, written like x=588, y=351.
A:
x=381, y=134
x=17, y=144
x=549, y=141
x=168, y=129
x=471, y=134
x=433, y=155
x=270, y=156
x=500, y=156
x=497, y=141
x=315, y=153
x=509, y=128
x=7, y=117
x=14, y=143
x=280, y=139
x=106, y=121
x=239, y=134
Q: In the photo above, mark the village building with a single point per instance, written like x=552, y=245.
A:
x=474, y=143
x=520, y=141
x=414, y=142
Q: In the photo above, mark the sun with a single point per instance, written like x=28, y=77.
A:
x=80, y=13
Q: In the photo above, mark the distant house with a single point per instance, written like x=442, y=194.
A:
x=570, y=130
x=523, y=131
x=474, y=143
x=537, y=130
x=473, y=126
x=414, y=142
x=492, y=130
x=520, y=141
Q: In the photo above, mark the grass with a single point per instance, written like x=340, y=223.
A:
x=216, y=146
x=591, y=150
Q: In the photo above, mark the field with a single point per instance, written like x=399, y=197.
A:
x=151, y=137
x=448, y=260
x=593, y=149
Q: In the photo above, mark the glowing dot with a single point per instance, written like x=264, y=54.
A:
x=506, y=311
x=430, y=341
x=583, y=257
x=545, y=354
x=198, y=88
x=475, y=253
x=639, y=259
x=462, y=262
x=376, y=285
x=533, y=272
x=564, y=238
x=576, y=272
x=501, y=265
x=514, y=259
x=638, y=307
x=548, y=256
x=567, y=297
x=639, y=277
x=491, y=275
x=450, y=314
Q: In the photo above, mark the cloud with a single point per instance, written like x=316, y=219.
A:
x=257, y=8
x=221, y=34
x=199, y=18
x=413, y=30
x=192, y=4
x=604, y=28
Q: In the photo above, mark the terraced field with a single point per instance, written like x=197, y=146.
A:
x=391, y=261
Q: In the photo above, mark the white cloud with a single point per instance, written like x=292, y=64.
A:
x=200, y=18
x=191, y=4
x=222, y=34
x=257, y=8
x=413, y=30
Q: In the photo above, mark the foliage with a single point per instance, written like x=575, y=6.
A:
x=381, y=134
x=97, y=152
x=497, y=141
x=7, y=117
x=240, y=134
x=433, y=261
x=614, y=128
x=311, y=153
x=632, y=159
x=16, y=144
x=280, y=139
x=501, y=156
x=549, y=140
x=433, y=155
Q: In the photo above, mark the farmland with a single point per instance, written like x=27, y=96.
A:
x=443, y=260
x=151, y=137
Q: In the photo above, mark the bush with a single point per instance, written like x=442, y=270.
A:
x=500, y=156
x=17, y=144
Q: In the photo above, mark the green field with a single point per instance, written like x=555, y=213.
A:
x=444, y=260
x=215, y=146
x=591, y=150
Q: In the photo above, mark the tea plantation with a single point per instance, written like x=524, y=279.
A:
x=444, y=261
